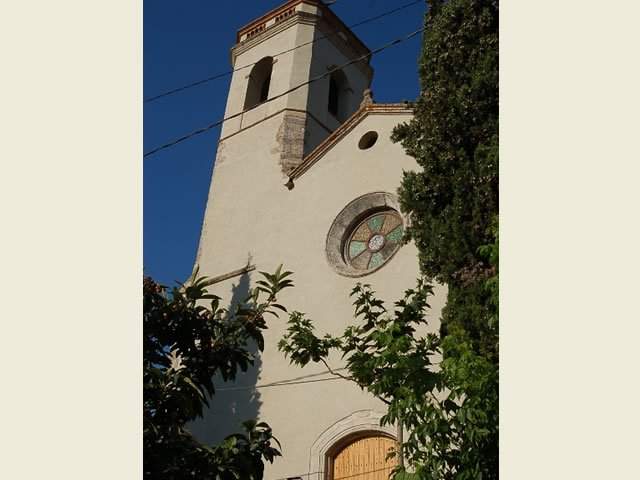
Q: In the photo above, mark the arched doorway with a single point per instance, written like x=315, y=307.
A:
x=363, y=457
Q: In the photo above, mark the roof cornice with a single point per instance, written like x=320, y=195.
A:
x=284, y=12
x=340, y=132
x=276, y=14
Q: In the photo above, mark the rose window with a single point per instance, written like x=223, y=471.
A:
x=364, y=236
x=374, y=240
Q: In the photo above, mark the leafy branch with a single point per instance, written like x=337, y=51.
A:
x=188, y=340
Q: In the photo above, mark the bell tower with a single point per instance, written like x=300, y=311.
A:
x=276, y=119
x=278, y=52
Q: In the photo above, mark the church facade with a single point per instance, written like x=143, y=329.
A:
x=306, y=177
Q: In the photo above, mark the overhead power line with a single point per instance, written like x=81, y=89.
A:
x=229, y=72
x=354, y=476
x=284, y=383
x=275, y=97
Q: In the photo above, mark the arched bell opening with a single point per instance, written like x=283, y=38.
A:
x=259, y=83
x=338, y=95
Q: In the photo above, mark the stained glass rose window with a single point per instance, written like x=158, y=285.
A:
x=374, y=240
x=365, y=234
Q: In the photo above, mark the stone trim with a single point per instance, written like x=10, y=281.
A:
x=290, y=140
x=306, y=112
x=235, y=273
x=358, y=423
x=345, y=128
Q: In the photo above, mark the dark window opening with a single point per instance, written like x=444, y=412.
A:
x=264, y=91
x=338, y=96
x=333, y=97
x=259, y=83
x=368, y=140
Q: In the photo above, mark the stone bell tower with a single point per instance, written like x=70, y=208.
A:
x=280, y=51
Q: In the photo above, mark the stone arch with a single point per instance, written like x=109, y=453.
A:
x=356, y=425
x=259, y=83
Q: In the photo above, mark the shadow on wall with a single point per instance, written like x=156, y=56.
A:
x=234, y=402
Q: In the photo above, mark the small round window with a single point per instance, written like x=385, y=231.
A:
x=368, y=140
x=374, y=241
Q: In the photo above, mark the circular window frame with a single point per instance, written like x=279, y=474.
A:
x=349, y=218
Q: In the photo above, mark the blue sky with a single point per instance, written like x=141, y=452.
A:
x=188, y=41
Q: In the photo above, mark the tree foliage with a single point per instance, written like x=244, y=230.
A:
x=188, y=340
x=453, y=136
x=446, y=407
x=383, y=354
x=452, y=202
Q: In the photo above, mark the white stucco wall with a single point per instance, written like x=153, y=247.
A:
x=251, y=214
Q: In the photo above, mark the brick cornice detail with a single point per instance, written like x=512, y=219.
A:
x=258, y=29
x=300, y=17
x=271, y=15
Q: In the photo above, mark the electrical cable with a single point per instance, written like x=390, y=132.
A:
x=229, y=389
x=281, y=383
x=275, y=97
x=336, y=478
x=229, y=72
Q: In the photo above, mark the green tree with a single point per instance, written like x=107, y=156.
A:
x=452, y=199
x=189, y=339
x=452, y=202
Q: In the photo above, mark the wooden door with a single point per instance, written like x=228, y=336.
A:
x=365, y=459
